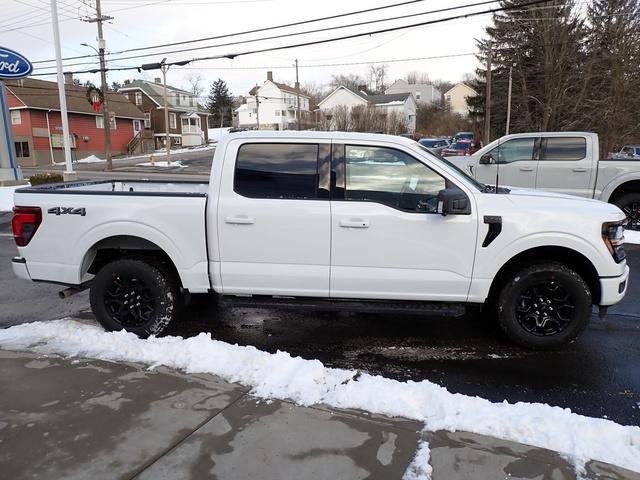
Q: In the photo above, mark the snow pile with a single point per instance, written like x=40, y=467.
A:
x=90, y=159
x=6, y=197
x=309, y=382
x=420, y=469
x=631, y=236
x=161, y=164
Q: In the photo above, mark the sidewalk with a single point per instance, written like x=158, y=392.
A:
x=69, y=419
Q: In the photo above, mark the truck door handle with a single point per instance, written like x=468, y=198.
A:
x=240, y=220
x=526, y=169
x=354, y=223
x=579, y=169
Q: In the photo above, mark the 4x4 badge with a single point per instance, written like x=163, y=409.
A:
x=67, y=211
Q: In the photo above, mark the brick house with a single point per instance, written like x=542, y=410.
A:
x=36, y=122
x=187, y=119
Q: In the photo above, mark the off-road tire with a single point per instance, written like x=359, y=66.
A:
x=516, y=314
x=139, y=295
x=626, y=203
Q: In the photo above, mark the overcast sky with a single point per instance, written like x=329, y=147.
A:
x=25, y=27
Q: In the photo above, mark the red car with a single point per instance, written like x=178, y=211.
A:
x=460, y=148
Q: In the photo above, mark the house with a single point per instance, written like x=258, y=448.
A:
x=456, y=98
x=423, y=93
x=401, y=104
x=36, y=122
x=187, y=119
x=272, y=106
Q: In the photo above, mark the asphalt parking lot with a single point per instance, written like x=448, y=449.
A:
x=596, y=376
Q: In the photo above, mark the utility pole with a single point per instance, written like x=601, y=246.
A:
x=99, y=19
x=487, y=115
x=167, y=138
x=257, y=110
x=509, y=100
x=298, y=94
x=69, y=174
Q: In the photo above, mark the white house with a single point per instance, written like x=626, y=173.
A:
x=272, y=106
x=456, y=98
x=423, y=93
x=402, y=103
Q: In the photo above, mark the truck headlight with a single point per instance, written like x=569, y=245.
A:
x=613, y=237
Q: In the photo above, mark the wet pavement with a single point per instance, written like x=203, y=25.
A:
x=79, y=419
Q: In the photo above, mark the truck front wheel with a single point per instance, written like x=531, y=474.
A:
x=629, y=203
x=136, y=295
x=544, y=306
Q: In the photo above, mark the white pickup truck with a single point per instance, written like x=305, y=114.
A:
x=326, y=220
x=563, y=162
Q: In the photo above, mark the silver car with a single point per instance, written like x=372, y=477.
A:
x=435, y=145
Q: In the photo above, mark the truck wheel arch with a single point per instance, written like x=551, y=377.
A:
x=564, y=255
x=119, y=246
x=611, y=194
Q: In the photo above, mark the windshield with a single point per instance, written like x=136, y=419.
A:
x=464, y=135
x=461, y=172
x=431, y=143
x=460, y=146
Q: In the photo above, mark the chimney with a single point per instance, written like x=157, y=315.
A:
x=363, y=89
x=68, y=78
x=157, y=80
x=127, y=82
x=270, y=76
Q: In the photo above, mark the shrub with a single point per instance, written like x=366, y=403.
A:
x=42, y=178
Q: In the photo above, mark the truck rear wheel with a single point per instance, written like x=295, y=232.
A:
x=135, y=295
x=544, y=306
x=629, y=203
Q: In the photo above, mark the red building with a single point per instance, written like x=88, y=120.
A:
x=36, y=122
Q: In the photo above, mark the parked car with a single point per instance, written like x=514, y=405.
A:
x=628, y=152
x=326, y=220
x=436, y=145
x=464, y=136
x=560, y=162
x=459, y=148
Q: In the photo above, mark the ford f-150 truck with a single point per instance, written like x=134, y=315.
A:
x=563, y=162
x=326, y=220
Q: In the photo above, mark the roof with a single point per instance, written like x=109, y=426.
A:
x=461, y=84
x=382, y=99
x=282, y=86
x=155, y=91
x=320, y=135
x=43, y=95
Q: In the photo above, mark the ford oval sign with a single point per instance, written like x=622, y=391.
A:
x=13, y=65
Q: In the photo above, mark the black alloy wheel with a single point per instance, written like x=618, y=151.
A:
x=629, y=203
x=129, y=301
x=545, y=309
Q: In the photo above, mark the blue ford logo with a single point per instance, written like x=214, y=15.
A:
x=13, y=65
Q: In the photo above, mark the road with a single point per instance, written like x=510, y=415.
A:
x=596, y=376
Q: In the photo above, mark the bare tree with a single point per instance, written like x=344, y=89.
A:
x=377, y=78
x=416, y=77
x=196, y=84
x=351, y=81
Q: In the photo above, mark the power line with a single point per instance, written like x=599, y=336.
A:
x=246, y=32
x=287, y=35
x=315, y=42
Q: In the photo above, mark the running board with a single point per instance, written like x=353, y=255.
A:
x=442, y=309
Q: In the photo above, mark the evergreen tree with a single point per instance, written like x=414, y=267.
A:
x=543, y=46
x=220, y=104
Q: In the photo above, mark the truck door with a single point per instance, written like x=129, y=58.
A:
x=566, y=165
x=387, y=240
x=274, y=222
x=514, y=162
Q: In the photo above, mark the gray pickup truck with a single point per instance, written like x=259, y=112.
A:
x=562, y=162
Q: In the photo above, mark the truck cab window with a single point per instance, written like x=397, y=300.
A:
x=563, y=148
x=277, y=170
x=392, y=178
x=514, y=150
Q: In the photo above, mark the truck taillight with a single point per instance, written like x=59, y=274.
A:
x=25, y=222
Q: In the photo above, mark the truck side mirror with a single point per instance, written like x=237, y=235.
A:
x=487, y=159
x=453, y=201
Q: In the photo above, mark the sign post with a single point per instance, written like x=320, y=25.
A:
x=12, y=66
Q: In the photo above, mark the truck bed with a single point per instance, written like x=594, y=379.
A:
x=124, y=187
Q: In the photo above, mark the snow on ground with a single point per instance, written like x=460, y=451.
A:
x=161, y=164
x=309, y=382
x=90, y=159
x=419, y=468
x=632, y=236
x=6, y=197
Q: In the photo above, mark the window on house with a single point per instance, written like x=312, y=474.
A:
x=100, y=122
x=138, y=98
x=147, y=120
x=277, y=113
x=418, y=95
x=277, y=170
x=16, y=117
x=22, y=149
x=172, y=120
x=176, y=97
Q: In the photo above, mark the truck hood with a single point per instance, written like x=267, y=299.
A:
x=528, y=198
